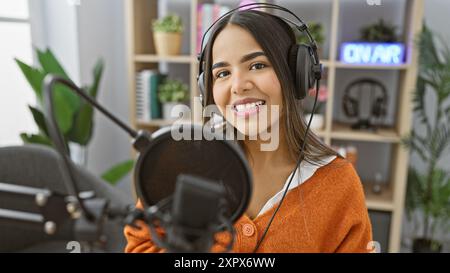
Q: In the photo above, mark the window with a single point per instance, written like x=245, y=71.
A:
x=15, y=92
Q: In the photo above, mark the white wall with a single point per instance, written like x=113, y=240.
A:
x=59, y=23
x=80, y=32
x=101, y=34
x=15, y=96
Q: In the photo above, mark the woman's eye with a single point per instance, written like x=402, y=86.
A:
x=221, y=74
x=258, y=66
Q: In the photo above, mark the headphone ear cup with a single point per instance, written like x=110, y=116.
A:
x=351, y=107
x=292, y=62
x=378, y=108
x=201, y=87
x=300, y=63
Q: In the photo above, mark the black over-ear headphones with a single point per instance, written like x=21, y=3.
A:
x=303, y=59
x=350, y=104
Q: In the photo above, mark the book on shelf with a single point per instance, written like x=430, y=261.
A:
x=207, y=14
x=148, y=106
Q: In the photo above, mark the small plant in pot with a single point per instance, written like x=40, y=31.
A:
x=428, y=192
x=171, y=93
x=381, y=32
x=316, y=30
x=167, y=34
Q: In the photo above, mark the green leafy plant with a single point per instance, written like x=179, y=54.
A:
x=379, y=32
x=316, y=30
x=173, y=91
x=169, y=23
x=429, y=191
x=73, y=115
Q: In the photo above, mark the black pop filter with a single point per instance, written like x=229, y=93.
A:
x=166, y=157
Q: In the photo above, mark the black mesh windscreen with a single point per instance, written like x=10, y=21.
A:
x=217, y=160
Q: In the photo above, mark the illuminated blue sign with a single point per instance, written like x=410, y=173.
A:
x=372, y=53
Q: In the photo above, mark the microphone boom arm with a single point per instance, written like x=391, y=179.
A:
x=141, y=139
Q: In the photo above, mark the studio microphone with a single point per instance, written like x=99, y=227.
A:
x=191, y=181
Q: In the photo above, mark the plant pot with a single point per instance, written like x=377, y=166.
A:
x=167, y=43
x=317, y=122
x=421, y=245
x=179, y=111
x=78, y=154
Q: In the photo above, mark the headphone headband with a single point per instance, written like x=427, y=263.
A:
x=302, y=27
x=305, y=64
x=252, y=6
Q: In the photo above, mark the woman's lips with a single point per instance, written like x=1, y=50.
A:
x=247, y=113
x=247, y=109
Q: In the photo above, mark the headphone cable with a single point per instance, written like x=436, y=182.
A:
x=300, y=158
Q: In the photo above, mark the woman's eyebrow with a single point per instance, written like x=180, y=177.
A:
x=244, y=59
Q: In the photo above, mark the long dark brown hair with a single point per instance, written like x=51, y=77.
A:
x=275, y=36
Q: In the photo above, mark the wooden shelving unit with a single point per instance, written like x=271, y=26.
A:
x=151, y=58
x=141, y=54
x=342, y=131
x=382, y=201
x=370, y=67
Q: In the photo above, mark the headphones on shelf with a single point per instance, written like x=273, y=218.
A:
x=350, y=104
x=303, y=59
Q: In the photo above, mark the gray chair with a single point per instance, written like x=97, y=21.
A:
x=38, y=166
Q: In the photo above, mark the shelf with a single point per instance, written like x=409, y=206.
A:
x=155, y=123
x=162, y=122
x=343, y=131
x=319, y=132
x=326, y=63
x=141, y=51
x=150, y=58
x=382, y=201
x=370, y=67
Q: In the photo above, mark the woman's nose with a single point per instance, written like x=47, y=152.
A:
x=240, y=83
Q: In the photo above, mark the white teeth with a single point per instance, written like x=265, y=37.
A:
x=248, y=106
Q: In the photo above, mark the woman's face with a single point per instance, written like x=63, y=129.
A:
x=245, y=86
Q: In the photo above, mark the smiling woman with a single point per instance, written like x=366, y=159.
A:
x=248, y=72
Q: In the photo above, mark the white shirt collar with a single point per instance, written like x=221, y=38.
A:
x=307, y=170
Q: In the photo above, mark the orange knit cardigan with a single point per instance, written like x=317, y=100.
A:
x=326, y=213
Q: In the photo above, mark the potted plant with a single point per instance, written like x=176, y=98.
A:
x=167, y=34
x=171, y=93
x=316, y=30
x=428, y=192
x=73, y=115
x=379, y=32
x=318, y=120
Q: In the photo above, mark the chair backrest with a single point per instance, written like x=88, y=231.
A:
x=38, y=166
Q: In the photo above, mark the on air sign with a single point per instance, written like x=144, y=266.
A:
x=372, y=53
